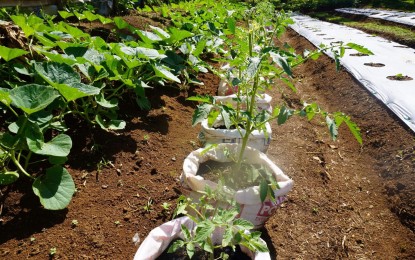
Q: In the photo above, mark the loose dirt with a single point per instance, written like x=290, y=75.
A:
x=349, y=201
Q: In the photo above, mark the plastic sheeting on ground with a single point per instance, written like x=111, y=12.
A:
x=393, y=16
x=399, y=96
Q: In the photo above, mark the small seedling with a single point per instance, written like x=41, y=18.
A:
x=146, y=138
x=149, y=205
x=32, y=239
x=166, y=206
x=117, y=223
x=74, y=223
x=52, y=251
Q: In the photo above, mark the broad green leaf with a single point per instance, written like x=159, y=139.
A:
x=199, y=47
x=32, y=97
x=59, y=146
x=120, y=23
x=11, y=53
x=263, y=190
x=163, y=72
x=160, y=32
x=175, y=246
x=8, y=177
x=76, y=90
x=231, y=24
x=100, y=99
x=20, y=68
x=5, y=96
x=104, y=20
x=259, y=245
x=148, y=37
x=111, y=124
x=354, y=129
x=359, y=48
x=142, y=52
x=54, y=189
x=65, y=14
x=178, y=35
x=57, y=160
x=213, y=115
x=204, y=99
x=57, y=73
x=202, y=111
x=21, y=21
x=90, y=16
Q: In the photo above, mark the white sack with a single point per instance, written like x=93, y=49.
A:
x=159, y=239
x=258, y=139
x=251, y=207
x=399, y=96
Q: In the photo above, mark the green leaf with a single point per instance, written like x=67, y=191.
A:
x=263, y=190
x=186, y=233
x=32, y=97
x=142, y=52
x=243, y=224
x=163, y=72
x=227, y=237
x=213, y=115
x=160, y=32
x=178, y=35
x=190, y=249
x=253, y=67
x=21, y=21
x=57, y=160
x=111, y=124
x=258, y=245
x=204, y=230
x=282, y=62
x=77, y=90
x=176, y=245
x=205, y=99
x=202, y=111
x=57, y=73
x=65, y=14
x=283, y=115
x=11, y=53
x=8, y=177
x=354, y=129
x=54, y=189
x=231, y=24
x=120, y=23
x=100, y=99
x=59, y=146
x=5, y=96
x=359, y=48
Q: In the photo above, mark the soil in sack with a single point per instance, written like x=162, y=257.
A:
x=181, y=254
x=248, y=175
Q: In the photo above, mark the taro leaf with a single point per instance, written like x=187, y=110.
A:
x=282, y=62
x=54, y=189
x=111, y=124
x=8, y=177
x=59, y=146
x=5, y=96
x=32, y=97
x=359, y=48
x=263, y=190
x=11, y=53
x=253, y=67
x=332, y=127
x=202, y=111
x=163, y=72
x=77, y=90
x=100, y=99
x=57, y=73
x=178, y=35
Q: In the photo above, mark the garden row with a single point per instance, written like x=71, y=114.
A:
x=60, y=73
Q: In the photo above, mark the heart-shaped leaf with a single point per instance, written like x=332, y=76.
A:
x=54, y=189
x=33, y=97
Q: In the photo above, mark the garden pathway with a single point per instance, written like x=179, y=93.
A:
x=388, y=74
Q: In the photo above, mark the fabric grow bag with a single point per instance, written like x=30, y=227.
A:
x=252, y=208
x=159, y=239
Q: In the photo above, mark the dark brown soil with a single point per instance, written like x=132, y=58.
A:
x=349, y=201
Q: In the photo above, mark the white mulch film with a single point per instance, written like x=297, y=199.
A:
x=399, y=96
x=393, y=16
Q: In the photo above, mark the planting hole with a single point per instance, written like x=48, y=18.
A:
x=401, y=46
x=321, y=34
x=399, y=77
x=374, y=64
x=328, y=38
x=359, y=54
